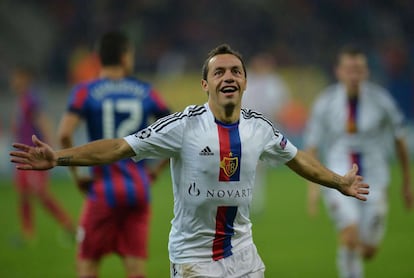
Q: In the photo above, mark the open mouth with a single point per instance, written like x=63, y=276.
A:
x=228, y=89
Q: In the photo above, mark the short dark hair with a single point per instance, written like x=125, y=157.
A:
x=349, y=49
x=221, y=49
x=112, y=46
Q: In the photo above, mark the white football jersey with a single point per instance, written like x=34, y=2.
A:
x=376, y=119
x=213, y=170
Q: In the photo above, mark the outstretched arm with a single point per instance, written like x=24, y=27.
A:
x=311, y=169
x=42, y=157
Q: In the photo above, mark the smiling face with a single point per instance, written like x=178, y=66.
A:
x=225, y=83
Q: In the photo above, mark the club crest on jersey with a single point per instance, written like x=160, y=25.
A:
x=229, y=165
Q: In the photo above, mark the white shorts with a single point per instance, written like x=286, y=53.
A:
x=245, y=263
x=369, y=216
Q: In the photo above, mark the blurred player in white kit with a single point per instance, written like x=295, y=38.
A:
x=352, y=122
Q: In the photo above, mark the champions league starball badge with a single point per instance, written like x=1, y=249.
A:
x=143, y=134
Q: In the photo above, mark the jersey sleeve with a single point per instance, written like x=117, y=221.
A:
x=162, y=139
x=278, y=149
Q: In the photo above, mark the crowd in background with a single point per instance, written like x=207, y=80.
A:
x=173, y=36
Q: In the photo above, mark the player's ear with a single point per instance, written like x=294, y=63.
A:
x=204, y=85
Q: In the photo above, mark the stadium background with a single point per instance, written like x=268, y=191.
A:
x=57, y=37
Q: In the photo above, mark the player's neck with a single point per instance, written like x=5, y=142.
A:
x=227, y=114
x=112, y=72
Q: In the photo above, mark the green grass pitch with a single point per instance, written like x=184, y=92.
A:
x=290, y=243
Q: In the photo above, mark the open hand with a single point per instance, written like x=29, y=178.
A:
x=38, y=157
x=354, y=186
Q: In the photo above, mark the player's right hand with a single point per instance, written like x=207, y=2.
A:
x=38, y=157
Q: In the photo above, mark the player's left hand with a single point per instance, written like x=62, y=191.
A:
x=355, y=186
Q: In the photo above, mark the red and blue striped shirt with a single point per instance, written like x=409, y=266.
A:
x=111, y=109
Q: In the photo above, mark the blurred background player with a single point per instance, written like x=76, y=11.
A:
x=267, y=93
x=353, y=120
x=30, y=118
x=116, y=212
